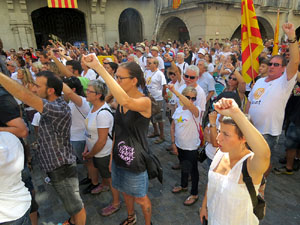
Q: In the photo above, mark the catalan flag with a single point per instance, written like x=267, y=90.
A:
x=63, y=4
x=252, y=44
x=276, y=36
x=176, y=4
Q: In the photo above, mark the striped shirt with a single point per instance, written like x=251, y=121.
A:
x=55, y=148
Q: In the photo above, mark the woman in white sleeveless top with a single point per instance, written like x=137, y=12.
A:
x=227, y=200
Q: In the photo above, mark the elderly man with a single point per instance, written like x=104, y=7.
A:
x=12, y=68
x=142, y=59
x=269, y=95
x=181, y=63
x=156, y=84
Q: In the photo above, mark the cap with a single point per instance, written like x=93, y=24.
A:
x=202, y=51
x=154, y=48
x=168, y=46
x=140, y=49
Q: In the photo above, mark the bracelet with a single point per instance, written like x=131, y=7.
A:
x=293, y=40
x=212, y=125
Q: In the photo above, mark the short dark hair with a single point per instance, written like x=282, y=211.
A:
x=135, y=70
x=75, y=65
x=52, y=81
x=263, y=61
x=74, y=82
x=113, y=65
x=230, y=121
x=45, y=54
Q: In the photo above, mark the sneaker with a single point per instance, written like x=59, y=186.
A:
x=85, y=181
x=110, y=209
x=283, y=170
x=100, y=188
x=296, y=165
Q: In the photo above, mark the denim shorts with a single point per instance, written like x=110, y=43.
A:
x=102, y=165
x=24, y=220
x=292, y=137
x=133, y=184
x=65, y=182
x=271, y=140
x=78, y=147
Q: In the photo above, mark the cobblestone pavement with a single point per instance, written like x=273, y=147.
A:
x=282, y=196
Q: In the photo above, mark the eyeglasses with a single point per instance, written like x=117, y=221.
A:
x=275, y=64
x=191, y=98
x=88, y=91
x=171, y=74
x=149, y=63
x=122, y=78
x=189, y=77
x=232, y=78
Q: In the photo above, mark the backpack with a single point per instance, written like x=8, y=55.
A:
x=111, y=136
x=259, y=204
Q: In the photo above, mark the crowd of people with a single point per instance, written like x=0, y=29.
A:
x=73, y=107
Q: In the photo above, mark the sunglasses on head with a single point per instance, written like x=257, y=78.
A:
x=190, y=77
x=232, y=78
x=275, y=64
x=191, y=98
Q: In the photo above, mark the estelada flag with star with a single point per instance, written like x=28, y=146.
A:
x=176, y=4
x=252, y=44
x=63, y=4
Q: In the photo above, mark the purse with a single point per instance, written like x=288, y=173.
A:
x=259, y=204
x=201, y=155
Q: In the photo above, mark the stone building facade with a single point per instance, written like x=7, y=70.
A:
x=28, y=23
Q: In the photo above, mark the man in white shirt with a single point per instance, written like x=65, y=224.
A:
x=161, y=64
x=181, y=63
x=269, y=95
x=142, y=59
x=156, y=84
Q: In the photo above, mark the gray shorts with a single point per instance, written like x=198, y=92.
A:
x=102, y=165
x=65, y=182
x=159, y=116
x=271, y=140
x=292, y=137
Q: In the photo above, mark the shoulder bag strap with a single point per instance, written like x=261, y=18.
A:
x=79, y=111
x=249, y=184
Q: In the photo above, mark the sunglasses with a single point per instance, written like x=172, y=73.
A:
x=232, y=78
x=149, y=63
x=189, y=77
x=171, y=74
x=191, y=98
x=275, y=64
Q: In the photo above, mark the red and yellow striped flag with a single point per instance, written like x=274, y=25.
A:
x=63, y=4
x=176, y=4
x=276, y=36
x=252, y=44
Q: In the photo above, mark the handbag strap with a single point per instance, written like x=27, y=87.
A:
x=113, y=129
x=198, y=128
x=80, y=111
x=249, y=184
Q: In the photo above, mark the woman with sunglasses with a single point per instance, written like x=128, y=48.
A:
x=185, y=140
x=131, y=126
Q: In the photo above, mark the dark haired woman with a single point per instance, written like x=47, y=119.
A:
x=111, y=68
x=227, y=200
x=129, y=174
x=80, y=108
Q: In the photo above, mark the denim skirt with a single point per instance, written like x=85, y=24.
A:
x=133, y=184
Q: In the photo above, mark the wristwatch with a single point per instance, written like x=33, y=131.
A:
x=293, y=40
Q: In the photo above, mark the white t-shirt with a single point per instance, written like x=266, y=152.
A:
x=161, y=63
x=210, y=150
x=267, y=103
x=186, y=131
x=183, y=66
x=96, y=120
x=143, y=62
x=90, y=74
x=36, y=119
x=201, y=97
x=206, y=82
x=155, y=82
x=210, y=67
x=78, y=116
x=172, y=97
x=15, y=198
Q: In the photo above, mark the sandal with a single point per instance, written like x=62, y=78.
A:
x=191, y=200
x=68, y=222
x=110, y=209
x=153, y=135
x=130, y=220
x=179, y=189
x=159, y=140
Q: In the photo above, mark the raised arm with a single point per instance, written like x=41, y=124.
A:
x=63, y=69
x=292, y=66
x=194, y=110
x=261, y=160
x=141, y=105
x=21, y=93
x=72, y=95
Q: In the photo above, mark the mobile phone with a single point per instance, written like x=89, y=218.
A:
x=205, y=222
